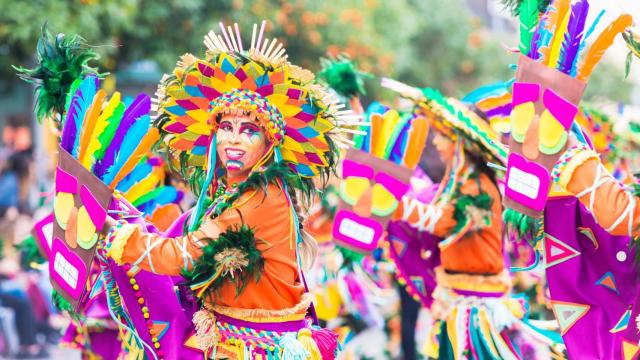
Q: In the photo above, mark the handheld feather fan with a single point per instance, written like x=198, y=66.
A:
x=376, y=174
x=553, y=68
x=101, y=143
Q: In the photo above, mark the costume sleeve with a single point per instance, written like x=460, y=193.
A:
x=614, y=208
x=435, y=219
x=131, y=244
x=440, y=219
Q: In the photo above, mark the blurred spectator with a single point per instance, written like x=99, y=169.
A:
x=16, y=179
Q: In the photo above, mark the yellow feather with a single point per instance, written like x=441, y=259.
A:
x=558, y=36
x=602, y=43
x=142, y=187
x=145, y=145
x=89, y=123
x=101, y=125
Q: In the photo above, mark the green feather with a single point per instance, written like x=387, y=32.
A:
x=242, y=240
x=64, y=306
x=107, y=135
x=349, y=256
x=341, y=75
x=513, y=6
x=60, y=60
x=528, y=20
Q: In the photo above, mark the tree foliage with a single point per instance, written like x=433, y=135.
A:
x=435, y=43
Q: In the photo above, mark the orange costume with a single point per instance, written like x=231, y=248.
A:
x=251, y=133
x=279, y=286
x=475, y=316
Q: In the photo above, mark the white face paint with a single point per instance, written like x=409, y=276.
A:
x=240, y=144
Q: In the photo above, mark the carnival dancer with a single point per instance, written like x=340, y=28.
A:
x=251, y=131
x=475, y=316
x=583, y=234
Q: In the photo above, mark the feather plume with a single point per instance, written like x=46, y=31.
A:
x=159, y=196
x=528, y=21
x=602, y=43
x=139, y=173
x=583, y=44
x=144, y=186
x=573, y=36
x=560, y=29
x=101, y=125
x=104, y=139
x=138, y=108
x=514, y=5
x=88, y=125
x=128, y=144
x=82, y=100
x=555, y=15
x=342, y=75
x=147, y=142
x=536, y=40
x=61, y=60
x=88, y=92
x=543, y=47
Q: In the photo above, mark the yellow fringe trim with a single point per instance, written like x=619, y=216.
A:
x=579, y=159
x=295, y=313
x=492, y=283
x=122, y=235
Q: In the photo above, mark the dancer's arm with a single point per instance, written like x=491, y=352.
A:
x=171, y=256
x=435, y=219
x=439, y=219
x=616, y=209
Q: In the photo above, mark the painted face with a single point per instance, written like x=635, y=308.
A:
x=240, y=144
x=445, y=147
x=544, y=107
x=79, y=212
x=370, y=192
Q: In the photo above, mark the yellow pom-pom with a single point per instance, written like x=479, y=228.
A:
x=304, y=337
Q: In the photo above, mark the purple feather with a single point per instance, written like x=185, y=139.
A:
x=534, y=51
x=72, y=124
x=69, y=131
x=573, y=36
x=139, y=107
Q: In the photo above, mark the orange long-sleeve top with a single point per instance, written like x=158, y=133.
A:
x=268, y=214
x=615, y=209
x=479, y=251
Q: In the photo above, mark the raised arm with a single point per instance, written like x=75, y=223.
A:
x=615, y=208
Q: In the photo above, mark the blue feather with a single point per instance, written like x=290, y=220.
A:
x=484, y=92
x=138, y=173
x=79, y=104
x=88, y=89
x=129, y=144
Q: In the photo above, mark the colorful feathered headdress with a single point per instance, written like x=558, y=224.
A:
x=451, y=115
x=302, y=121
x=494, y=101
x=391, y=135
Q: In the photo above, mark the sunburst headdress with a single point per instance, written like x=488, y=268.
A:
x=303, y=122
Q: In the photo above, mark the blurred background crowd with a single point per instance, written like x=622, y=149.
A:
x=452, y=45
